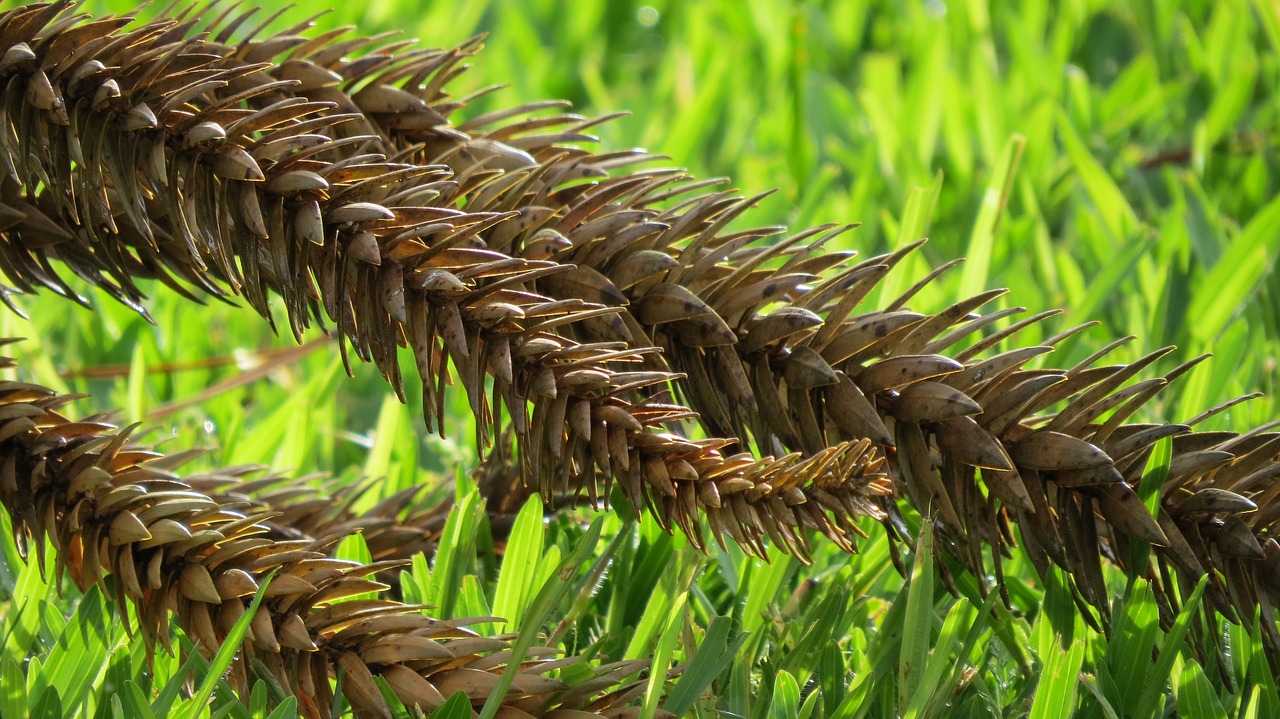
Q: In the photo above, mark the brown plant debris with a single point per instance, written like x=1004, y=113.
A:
x=119, y=518
x=616, y=299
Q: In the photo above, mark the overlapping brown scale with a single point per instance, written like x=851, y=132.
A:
x=222, y=172
x=120, y=518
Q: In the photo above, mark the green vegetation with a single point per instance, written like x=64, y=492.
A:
x=1119, y=161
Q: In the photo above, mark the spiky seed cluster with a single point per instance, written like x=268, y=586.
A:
x=327, y=171
x=399, y=526
x=118, y=518
x=189, y=159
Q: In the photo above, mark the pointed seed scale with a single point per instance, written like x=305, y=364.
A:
x=105, y=94
x=1008, y=486
x=126, y=528
x=619, y=453
x=902, y=370
x=233, y=163
x=733, y=485
x=806, y=370
x=928, y=401
x=82, y=72
x=360, y=688
x=1049, y=451
x=709, y=494
x=40, y=92
x=500, y=155
x=18, y=58
x=196, y=584
x=579, y=418
x=655, y=472
x=164, y=531
x=285, y=584
x=640, y=266
x=359, y=212
x=962, y=439
x=204, y=133
x=402, y=649
x=412, y=688
x=500, y=362
x=1212, y=500
x=264, y=633
x=437, y=281
x=1235, y=539
x=584, y=283
x=669, y=303
x=585, y=379
x=293, y=633
x=234, y=583
x=1124, y=510
x=705, y=330
x=293, y=182
x=364, y=247
x=1088, y=477
x=854, y=414
x=782, y=323
x=310, y=223
x=88, y=479
x=119, y=496
x=140, y=117
x=474, y=683
x=309, y=75
x=453, y=330
x=543, y=383
x=495, y=313
x=545, y=244
x=250, y=209
x=379, y=98
x=680, y=470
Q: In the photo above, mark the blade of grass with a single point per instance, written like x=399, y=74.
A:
x=715, y=654
x=1155, y=681
x=226, y=653
x=995, y=198
x=917, y=626
x=518, y=575
x=662, y=657
x=547, y=599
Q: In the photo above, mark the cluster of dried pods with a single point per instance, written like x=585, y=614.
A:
x=113, y=509
x=590, y=304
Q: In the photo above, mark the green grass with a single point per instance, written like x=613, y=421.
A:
x=1115, y=159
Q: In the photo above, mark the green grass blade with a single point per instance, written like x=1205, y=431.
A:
x=226, y=653
x=13, y=689
x=715, y=654
x=1196, y=697
x=547, y=599
x=786, y=697
x=995, y=198
x=662, y=657
x=457, y=706
x=918, y=623
x=1237, y=274
x=1155, y=681
x=519, y=571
